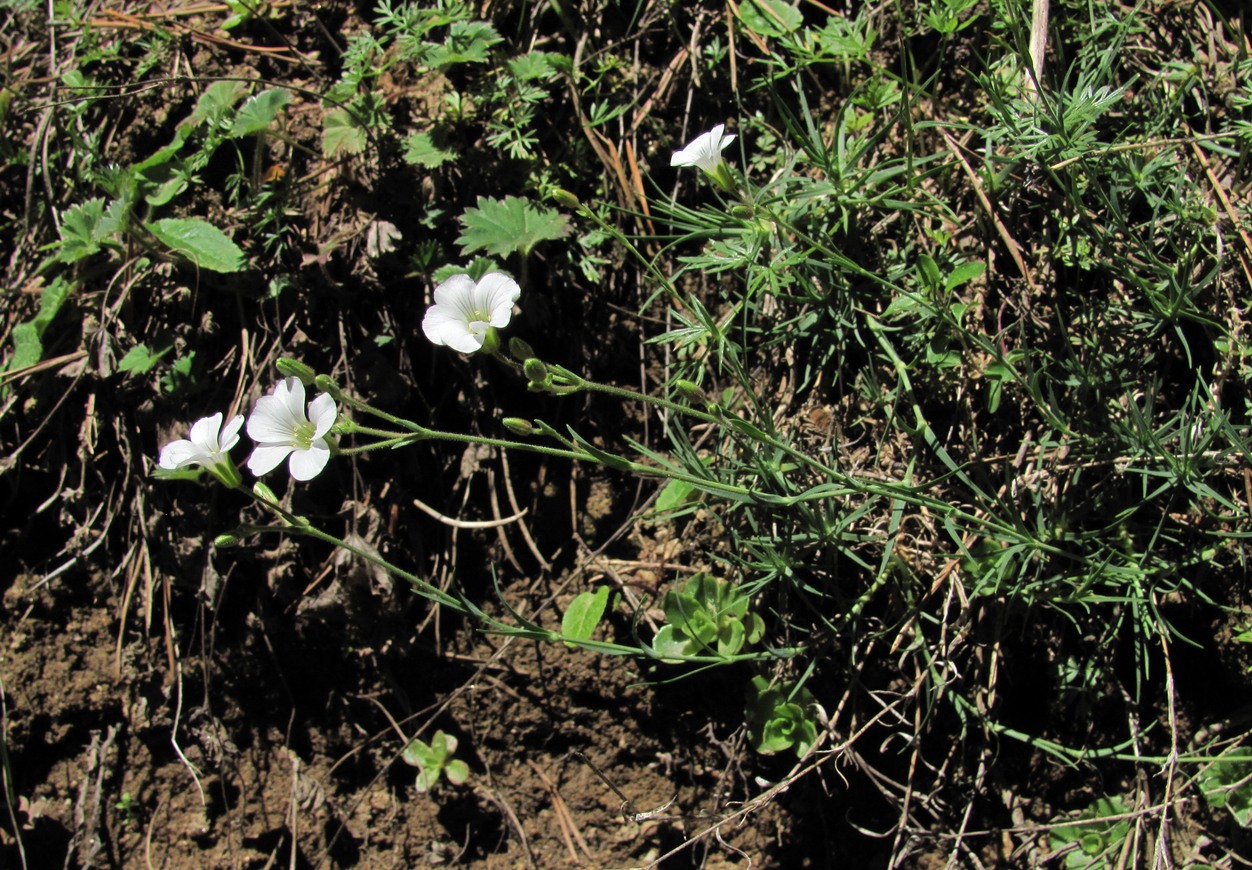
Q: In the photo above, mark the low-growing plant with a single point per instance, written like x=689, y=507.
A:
x=780, y=716
x=706, y=615
x=1096, y=837
x=1226, y=783
x=434, y=760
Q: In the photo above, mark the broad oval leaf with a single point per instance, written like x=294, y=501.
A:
x=200, y=242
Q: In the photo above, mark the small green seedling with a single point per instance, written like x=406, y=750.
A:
x=706, y=615
x=128, y=809
x=435, y=758
x=1094, y=839
x=780, y=717
x=1227, y=784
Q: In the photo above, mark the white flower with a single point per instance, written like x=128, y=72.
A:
x=208, y=446
x=279, y=426
x=705, y=151
x=464, y=311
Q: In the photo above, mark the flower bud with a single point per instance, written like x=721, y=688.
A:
x=327, y=385
x=743, y=212
x=535, y=370
x=691, y=392
x=230, y=539
x=520, y=350
x=293, y=368
x=567, y=199
x=264, y=493
x=518, y=426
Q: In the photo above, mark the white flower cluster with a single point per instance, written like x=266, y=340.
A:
x=280, y=426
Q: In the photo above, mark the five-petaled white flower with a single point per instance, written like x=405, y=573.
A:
x=464, y=310
x=208, y=445
x=279, y=426
x=705, y=151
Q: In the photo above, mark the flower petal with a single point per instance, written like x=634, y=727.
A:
x=272, y=420
x=496, y=293
x=230, y=433
x=322, y=414
x=266, y=457
x=180, y=454
x=204, y=433
x=453, y=290
x=308, y=464
x=436, y=321
x=459, y=336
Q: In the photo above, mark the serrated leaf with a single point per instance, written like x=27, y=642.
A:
x=341, y=135
x=502, y=226
x=259, y=111
x=421, y=150
x=216, y=101
x=533, y=65
x=584, y=613
x=199, y=241
x=140, y=359
x=85, y=228
x=770, y=17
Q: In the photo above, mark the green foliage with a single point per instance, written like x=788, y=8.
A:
x=420, y=150
x=770, y=17
x=584, y=613
x=1226, y=783
x=140, y=359
x=780, y=717
x=502, y=226
x=200, y=242
x=87, y=228
x=1095, y=839
x=28, y=336
x=181, y=376
x=434, y=760
x=707, y=616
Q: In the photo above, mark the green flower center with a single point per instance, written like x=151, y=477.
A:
x=303, y=436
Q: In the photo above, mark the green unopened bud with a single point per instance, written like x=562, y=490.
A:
x=535, y=370
x=518, y=426
x=567, y=199
x=230, y=539
x=743, y=212
x=520, y=350
x=293, y=368
x=691, y=391
x=327, y=385
x=264, y=493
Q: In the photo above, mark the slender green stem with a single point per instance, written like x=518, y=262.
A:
x=300, y=526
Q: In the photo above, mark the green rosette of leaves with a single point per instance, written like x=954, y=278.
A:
x=780, y=717
x=706, y=616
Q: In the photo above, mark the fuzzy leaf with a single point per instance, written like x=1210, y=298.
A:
x=259, y=112
x=502, y=226
x=199, y=241
x=341, y=135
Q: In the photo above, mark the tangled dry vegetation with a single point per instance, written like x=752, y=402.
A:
x=996, y=320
